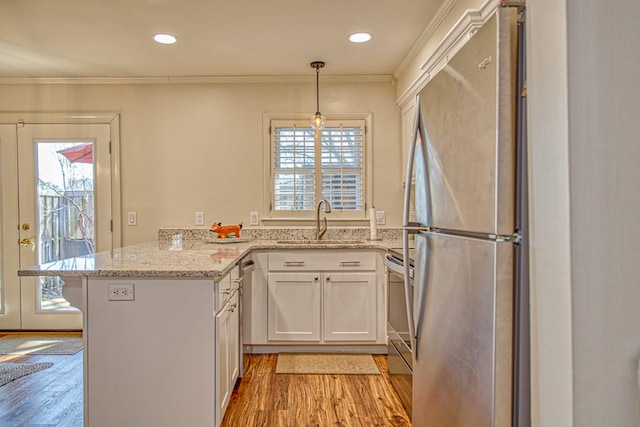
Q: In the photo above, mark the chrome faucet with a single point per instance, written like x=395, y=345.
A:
x=327, y=209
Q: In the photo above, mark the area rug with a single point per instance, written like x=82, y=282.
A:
x=326, y=363
x=40, y=344
x=12, y=371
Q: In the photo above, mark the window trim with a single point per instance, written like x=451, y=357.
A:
x=305, y=216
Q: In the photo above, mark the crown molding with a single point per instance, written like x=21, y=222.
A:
x=461, y=32
x=417, y=47
x=356, y=78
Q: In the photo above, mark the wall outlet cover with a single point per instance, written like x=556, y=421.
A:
x=381, y=217
x=121, y=292
x=199, y=218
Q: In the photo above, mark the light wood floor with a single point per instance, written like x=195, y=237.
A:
x=53, y=397
x=266, y=399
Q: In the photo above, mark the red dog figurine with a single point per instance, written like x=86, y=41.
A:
x=224, y=230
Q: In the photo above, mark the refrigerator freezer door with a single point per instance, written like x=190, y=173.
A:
x=462, y=373
x=469, y=116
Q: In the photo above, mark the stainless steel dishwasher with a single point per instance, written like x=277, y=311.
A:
x=399, y=355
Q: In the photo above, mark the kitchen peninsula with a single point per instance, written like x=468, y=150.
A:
x=162, y=321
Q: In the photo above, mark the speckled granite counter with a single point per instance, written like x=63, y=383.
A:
x=194, y=258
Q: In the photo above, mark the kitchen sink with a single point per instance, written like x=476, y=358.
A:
x=320, y=242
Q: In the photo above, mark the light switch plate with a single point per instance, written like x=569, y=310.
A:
x=381, y=217
x=132, y=218
x=254, y=219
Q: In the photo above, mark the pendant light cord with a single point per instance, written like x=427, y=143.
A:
x=317, y=90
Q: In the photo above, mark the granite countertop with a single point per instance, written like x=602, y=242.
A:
x=194, y=258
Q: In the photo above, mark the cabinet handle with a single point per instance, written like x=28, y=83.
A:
x=232, y=307
x=294, y=263
x=327, y=278
x=226, y=292
x=316, y=278
x=349, y=263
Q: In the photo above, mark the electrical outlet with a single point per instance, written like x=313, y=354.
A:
x=199, y=218
x=121, y=292
x=132, y=218
x=254, y=219
x=381, y=217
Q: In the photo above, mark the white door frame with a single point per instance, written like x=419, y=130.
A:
x=10, y=317
x=10, y=286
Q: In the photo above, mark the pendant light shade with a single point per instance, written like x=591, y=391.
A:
x=318, y=120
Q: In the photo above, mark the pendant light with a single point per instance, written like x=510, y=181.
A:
x=317, y=121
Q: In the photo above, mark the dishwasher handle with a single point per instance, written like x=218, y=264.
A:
x=247, y=266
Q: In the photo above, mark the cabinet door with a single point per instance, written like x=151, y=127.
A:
x=350, y=306
x=223, y=391
x=234, y=341
x=293, y=307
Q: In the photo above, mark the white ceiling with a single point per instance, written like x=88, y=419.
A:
x=113, y=38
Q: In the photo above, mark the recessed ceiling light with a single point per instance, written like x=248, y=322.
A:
x=360, y=37
x=165, y=38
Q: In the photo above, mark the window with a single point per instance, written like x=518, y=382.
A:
x=303, y=172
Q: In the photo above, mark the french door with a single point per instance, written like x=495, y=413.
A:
x=64, y=205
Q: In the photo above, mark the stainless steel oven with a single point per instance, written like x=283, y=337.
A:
x=399, y=356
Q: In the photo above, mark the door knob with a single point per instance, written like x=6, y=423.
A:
x=27, y=242
x=25, y=226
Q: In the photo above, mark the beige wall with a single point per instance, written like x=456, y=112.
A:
x=199, y=147
x=604, y=157
x=583, y=62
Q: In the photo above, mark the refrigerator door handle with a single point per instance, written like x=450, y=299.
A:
x=515, y=238
x=405, y=232
x=423, y=193
x=420, y=299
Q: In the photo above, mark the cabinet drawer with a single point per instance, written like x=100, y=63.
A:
x=322, y=261
x=226, y=287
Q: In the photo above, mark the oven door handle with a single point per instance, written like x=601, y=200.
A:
x=396, y=265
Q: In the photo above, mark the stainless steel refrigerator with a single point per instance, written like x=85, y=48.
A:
x=467, y=177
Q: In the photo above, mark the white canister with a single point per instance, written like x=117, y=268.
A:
x=372, y=224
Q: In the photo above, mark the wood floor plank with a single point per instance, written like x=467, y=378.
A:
x=265, y=398
x=51, y=397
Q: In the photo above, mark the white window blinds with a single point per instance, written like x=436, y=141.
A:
x=300, y=179
x=294, y=168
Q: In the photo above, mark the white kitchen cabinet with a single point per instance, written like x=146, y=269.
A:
x=150, y=361
x=349, y=309
x=293, y=306
x=227, y=351
x=168, y=356
x=333, y=305
x=322, y=297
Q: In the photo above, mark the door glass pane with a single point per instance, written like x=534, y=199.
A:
x=65, y=175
